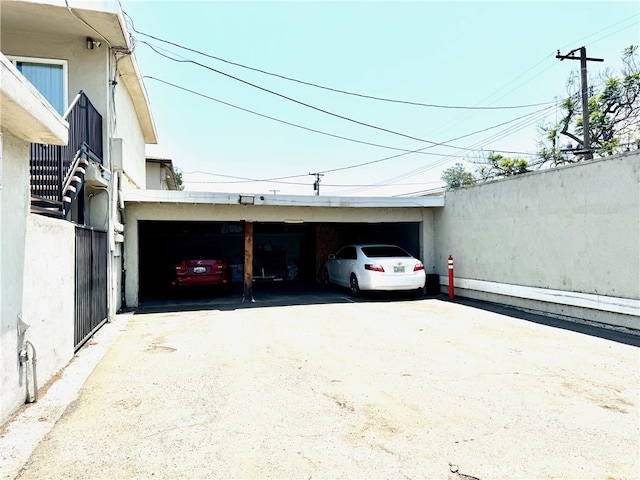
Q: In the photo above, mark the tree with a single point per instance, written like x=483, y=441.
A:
x=179, y=181
x=457, y=176
x=497, y=165
x=614, y=115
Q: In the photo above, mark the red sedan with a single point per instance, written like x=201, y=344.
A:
x=201, y=273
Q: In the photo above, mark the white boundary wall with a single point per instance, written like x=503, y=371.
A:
x=564, y=241
x=49, y=286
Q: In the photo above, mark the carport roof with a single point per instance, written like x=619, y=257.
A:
x=215, y=198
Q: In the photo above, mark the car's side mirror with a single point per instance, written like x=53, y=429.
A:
x=331, y=256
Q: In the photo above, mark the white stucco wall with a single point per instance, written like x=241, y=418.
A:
x=133, y=146
x=155, y=177
x=14, y=206
x=37, y=257
x=25, y=117
x=49, y=279
x=572, y=233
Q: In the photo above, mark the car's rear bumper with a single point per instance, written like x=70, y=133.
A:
x=203, y=281
x=381, y=281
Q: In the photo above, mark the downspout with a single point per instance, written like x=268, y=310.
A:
x=25, y=358
x=123, y=219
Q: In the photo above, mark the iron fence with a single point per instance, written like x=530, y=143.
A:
x=90, y=283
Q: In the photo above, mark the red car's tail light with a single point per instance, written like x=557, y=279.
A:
x=374, y=267
x=418, y=267
x=220, y=266
x=181, y=269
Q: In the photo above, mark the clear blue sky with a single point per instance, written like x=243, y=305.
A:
x=469, y=54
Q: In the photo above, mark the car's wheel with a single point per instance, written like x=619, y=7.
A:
x=353, y=285
x=324, y=277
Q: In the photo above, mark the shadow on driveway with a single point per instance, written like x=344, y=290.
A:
x=286, y=294
x=618, y=335
x=264, y=295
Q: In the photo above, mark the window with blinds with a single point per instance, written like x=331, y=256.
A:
x=48, y=76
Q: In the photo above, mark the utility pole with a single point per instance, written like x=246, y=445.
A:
x=585, y=95
x=316, y=184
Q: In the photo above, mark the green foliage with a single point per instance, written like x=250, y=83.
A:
x=179, y=181
x=497, y=165
x=614, y=116
x=457, y=176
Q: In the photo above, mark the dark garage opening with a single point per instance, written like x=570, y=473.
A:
x=284, y=253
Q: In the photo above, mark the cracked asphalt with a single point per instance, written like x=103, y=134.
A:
x=335, y=388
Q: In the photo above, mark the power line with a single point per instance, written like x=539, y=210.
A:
x=405, y=152
x=331, y=89
x=253, y=112
x=447, y=158
x=341, y=137
x=318, y=109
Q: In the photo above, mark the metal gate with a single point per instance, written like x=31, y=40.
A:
x=90, y=283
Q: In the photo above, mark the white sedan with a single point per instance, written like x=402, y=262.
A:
x=373, y=267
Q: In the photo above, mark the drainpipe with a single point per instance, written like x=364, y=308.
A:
x=25, y=358
x=123, y=219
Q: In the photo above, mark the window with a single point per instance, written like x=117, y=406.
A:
x=347, y=253
x=48, y=76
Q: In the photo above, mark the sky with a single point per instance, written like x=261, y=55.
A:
x=267, y=94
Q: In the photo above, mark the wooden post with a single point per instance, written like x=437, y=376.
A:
x=248, y=262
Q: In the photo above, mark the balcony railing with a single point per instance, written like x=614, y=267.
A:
x=50, y=164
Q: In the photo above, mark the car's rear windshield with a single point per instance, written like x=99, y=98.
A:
x=384, y=251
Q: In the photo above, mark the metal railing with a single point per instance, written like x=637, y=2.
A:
x=50, y=164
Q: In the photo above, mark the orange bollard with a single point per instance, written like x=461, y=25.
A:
x=450, y=277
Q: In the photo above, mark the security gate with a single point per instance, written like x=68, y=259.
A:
x=90, y=283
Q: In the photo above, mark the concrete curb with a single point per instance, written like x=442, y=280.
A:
x=28, y=428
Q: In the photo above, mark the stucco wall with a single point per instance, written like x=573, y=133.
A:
x=573, y=230
x=156, y=177
x=128, y=128
x=13, y=213
x=27, y=117
x=49, y=292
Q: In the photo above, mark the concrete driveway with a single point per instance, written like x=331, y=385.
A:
x=335, y=388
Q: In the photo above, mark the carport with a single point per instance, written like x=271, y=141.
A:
x=280, y=238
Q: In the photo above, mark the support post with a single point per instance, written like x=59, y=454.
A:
x=586, y=142
x=248, y=262
x=450, y=277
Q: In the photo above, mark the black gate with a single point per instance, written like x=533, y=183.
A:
x=90, y=283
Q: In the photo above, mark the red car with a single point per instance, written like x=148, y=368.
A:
x=201, y=273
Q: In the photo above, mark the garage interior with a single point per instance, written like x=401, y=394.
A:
x=282, y=252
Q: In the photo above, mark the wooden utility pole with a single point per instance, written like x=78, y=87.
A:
x=248, y=262
x=316, y=184
x=586, y=146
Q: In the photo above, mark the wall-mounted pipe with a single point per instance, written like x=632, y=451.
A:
x=25, y=358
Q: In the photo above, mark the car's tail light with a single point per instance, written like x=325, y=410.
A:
x=374, y=267
x=220, y=266
x=418, y=267
x=181, y=269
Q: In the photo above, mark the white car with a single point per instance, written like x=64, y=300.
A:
x=373, y=267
